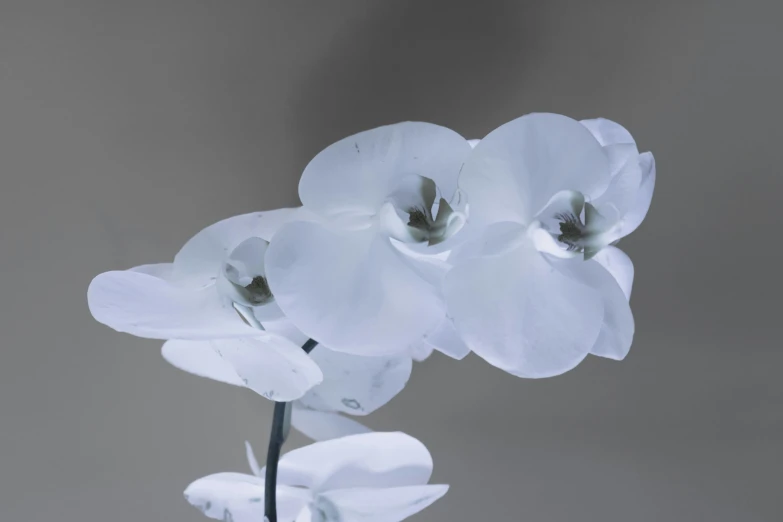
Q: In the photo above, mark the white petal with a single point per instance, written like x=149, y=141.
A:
x=617, y=142
x=373, y=460
x=306, y=515
x=252, y=461
x=636, y=214
x=376, y=505
x=622, y=191
x=147, y=306
x=518, y=167
x=271, y=366
x=287, y=329
x=355, y=174
x=159, y=270
x=473, y=143
x=608, y=132
x=268, y=312
x=445, y=339
x=240, y=498
x=201, y=259
x=199, y=358
x=515, y=311
x=493, y=240
x=546, y=243
x=351, y=291
x=429, y=262
x=356, y=384
x=422, y=351
x=321, y=425
x=617, y=263
x=617, y=329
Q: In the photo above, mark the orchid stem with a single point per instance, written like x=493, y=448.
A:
x=277, y=438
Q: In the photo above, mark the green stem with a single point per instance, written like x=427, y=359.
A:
x=276, y=440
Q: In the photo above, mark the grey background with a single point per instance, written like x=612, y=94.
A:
x=125, y=127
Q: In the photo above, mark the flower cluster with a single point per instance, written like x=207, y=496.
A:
x=410, y=239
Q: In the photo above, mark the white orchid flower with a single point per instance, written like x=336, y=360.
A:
x=214, y=297
x=352, y=384
x=343, y=281
x=536, y=288
x=371, y=476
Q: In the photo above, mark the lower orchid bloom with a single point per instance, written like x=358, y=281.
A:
x=371, y=476
x=538, y=286
x=352, y=384
x=214, y=296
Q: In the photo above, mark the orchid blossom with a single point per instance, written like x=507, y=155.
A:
x=537, y=287
x=214, y=296
x=371, y=476
x=341, y=279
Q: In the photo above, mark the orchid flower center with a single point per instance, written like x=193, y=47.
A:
x=568, y=226
x=415, y=212
x=258, y=290
x=243, y=278
x=573, y=234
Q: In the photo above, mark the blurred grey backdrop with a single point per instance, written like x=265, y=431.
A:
x=125, y=127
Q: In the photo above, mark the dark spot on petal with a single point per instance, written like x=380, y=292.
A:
x=351, y=403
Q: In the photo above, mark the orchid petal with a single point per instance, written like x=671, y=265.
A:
x=199, y=358
x=519, y=314
x=240, y=498
x=373, y=460
x=422, y=351
x=447, y=340
x=306, y=515
x=617, y=328
x=351, y=291
x=252, y=461
x=623, y=190
x=608, y=132
x=322, y=425
x=617, y=263
x=356, y=173
x=147, y=306
x=617, y=142
x=163, y=271
x=285, y=328
x=202, y=257
x=638, y=209
x=355, y=384
x=515, y=170
x=376, y=505
x=270, y=365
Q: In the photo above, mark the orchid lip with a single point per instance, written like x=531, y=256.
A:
x=575, y=226
x=243, y=278
x=416, y=213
